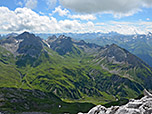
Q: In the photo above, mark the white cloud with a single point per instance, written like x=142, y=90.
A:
x=83, y=17
x=51, y=3
x=100, y=24
x=113, y=6
x=120, y=15
x=76, y=26
x=31, y=4
x=41, y=13
x=25, y=19
x=70, y=25
x=140, y=27
x=65, y=12
x=61, y=12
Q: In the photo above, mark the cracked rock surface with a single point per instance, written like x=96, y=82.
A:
x=142, y=106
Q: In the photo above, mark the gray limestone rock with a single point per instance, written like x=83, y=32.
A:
x=142, y=106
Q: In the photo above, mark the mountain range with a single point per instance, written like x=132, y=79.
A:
x=138, y=44
x=74, y=71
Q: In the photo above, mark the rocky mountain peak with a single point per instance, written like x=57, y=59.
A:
x=82, y=42
x=12, y=35
x=31, y=44
x=149, y=34
x=51, y=38
x=62, y=44
x=115, y=51
x=115, y=54
x=26, y=35
x=78, y=67
x=114, y=45
x=8, y=40
x=62, y=37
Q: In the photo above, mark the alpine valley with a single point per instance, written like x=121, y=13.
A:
x=60, y=74
x=138, y=44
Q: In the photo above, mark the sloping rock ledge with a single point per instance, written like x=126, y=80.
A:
x=142, y=106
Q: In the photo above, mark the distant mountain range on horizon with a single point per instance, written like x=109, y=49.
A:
x=73, y=70
x=138, y=44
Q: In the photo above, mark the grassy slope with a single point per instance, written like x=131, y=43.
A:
x=9, y=76
x=19, y=100
x=72, y=77
x=141, y=48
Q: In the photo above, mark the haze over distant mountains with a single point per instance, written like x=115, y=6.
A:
x=72, y=70
x=66, y=56
x=138, y=44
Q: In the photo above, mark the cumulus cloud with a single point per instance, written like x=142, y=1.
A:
x=31, y=4
x=83, y=17
x=113, y=6
x=25, y=19
x=65, y=12
x=70, y=24
x=22, y=19
x=76, y=26
x=140, y=27
x=61, y=12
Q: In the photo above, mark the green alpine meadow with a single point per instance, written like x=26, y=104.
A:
x=63, y=75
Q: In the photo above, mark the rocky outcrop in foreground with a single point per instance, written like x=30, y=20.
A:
x=142, y=106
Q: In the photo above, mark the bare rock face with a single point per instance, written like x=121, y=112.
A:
x=146, y=93
x=63, y=45
x=142, y=106
x=23, y=44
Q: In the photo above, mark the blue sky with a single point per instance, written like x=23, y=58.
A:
x=59, y=16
